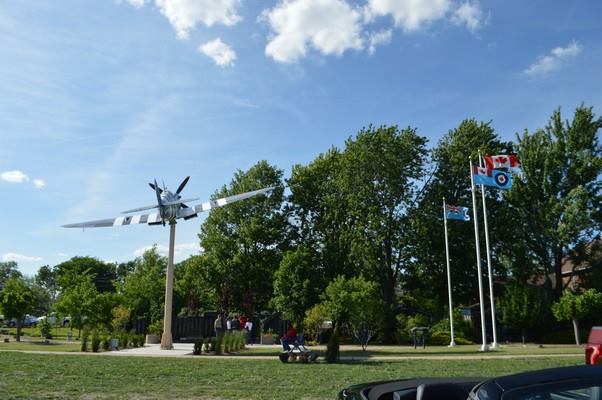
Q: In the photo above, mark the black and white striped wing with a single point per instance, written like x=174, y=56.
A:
x=118, y=221
x=208, y=205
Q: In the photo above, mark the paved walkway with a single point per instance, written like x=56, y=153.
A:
x=184, y=350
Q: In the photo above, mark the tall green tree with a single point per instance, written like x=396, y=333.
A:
x=380, y=170
x=558, y=198
x=144, y=288
x=297, y=286
x=46, y=278
x=424, y=275
x=319, y=234
x=8, y=270
x=16, y=300
x=103, y=274
x=192, y=286
x=244, y=241
x=80, y=301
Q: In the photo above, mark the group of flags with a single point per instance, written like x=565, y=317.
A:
x=497, y=173
x=493, y=171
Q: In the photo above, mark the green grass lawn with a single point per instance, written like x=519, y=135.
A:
x=39, y=345
x=407, y=351
x=48, y=376
x=59, y=333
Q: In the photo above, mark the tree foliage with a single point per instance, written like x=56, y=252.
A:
x=8, y=270
x=575, y=306
x=16, y=300
x=144, y=289
x=243, y=242
x=297, y=286
x=354, y=303
x=558, y=198
x=523, y=307
x=423, y=276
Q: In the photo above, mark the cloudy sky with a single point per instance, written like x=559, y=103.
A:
x=99, y=97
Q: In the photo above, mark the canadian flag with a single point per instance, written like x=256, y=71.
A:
x=509, y=161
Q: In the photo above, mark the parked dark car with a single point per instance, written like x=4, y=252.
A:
x=28, y=321
x=567, y=383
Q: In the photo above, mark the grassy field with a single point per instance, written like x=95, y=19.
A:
x=48, y=376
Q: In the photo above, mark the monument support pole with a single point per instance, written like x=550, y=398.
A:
x=166, y=339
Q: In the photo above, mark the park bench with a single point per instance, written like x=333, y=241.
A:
x=298, y=351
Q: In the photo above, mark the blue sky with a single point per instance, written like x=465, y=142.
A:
x=100, y=97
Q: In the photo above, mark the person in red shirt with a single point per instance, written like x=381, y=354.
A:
x=242, y=321
x=289, y=337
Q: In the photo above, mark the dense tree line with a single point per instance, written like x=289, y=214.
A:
x=369, y=215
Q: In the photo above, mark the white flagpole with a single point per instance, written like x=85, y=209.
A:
x=484, y=347
x=452, y=343
x=489, y=269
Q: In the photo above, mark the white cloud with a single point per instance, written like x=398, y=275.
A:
x=39, y=183
x=554, y=61
x=181, y=250
x=409, y=15
x=14, y=176
x=376, y=38
x=19, y=257
x=137, y=3
x=219, y=51
x=470, y=15
x=184, y=15
x=61, y=254
x=328, y=26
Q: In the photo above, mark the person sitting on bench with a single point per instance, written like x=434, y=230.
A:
x=289, y=338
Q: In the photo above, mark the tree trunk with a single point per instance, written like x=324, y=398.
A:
x=576, y=329
x=332, y=349
x=523, y=334
x=558, y=274
x=18, y=336
x=389, y=322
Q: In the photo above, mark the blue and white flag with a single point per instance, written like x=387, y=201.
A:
x=457, y=212
x=491, y=177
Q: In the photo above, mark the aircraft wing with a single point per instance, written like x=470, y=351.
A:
x=199, y=208
x=118, y=221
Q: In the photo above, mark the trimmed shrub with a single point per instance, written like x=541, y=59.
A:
x=106, y=343
x=218, y=343
x=84, y=342
x=123, y=341
x=197, y=350
x=95, y=341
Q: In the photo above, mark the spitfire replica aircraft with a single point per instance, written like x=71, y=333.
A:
x=170, y=207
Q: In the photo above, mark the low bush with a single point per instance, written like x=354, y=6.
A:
x=95, y=341
x=84, y=342
x=106, y=343
x=198, y=346
x=123, y=341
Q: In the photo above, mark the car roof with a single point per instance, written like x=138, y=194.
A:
x=551, y=375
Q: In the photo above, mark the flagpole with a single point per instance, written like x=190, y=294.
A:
x=484, y=347
x=489, y=269
x=452, y=343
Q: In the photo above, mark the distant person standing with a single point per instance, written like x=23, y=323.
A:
x=242, y=320
x=218, y=325
x=249, y=328
x=235, y=323
x=229, y=325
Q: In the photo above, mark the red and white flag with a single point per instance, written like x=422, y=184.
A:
x=509, y=161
